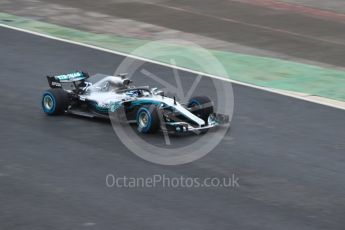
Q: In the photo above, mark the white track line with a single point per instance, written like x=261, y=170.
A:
x=313, y=100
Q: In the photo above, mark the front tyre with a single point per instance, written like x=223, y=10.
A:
x=54, y=101
x=147, y=119
x=202, y=107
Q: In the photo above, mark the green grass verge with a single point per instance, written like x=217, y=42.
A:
x=256, y=70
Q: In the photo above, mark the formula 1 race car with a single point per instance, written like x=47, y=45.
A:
x=97, y=96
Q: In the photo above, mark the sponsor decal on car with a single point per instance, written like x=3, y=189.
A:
x=115, y=106
x=71, y=76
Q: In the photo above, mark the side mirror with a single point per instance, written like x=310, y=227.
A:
x=126, y=81
x=155, y=91
x=122, y=75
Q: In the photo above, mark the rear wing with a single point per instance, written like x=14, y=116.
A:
x=77, y=78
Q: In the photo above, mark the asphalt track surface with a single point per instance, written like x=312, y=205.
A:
x=296, y=35
x=287, y=153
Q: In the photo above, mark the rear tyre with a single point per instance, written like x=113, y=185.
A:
x=201, y=106
x=147, y=119
x=54, y=101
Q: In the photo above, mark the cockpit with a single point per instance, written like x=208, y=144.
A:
x=110, y=84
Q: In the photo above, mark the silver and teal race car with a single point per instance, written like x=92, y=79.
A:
x=100, y=95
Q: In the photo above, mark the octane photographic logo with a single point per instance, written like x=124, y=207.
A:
x=164, y=148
